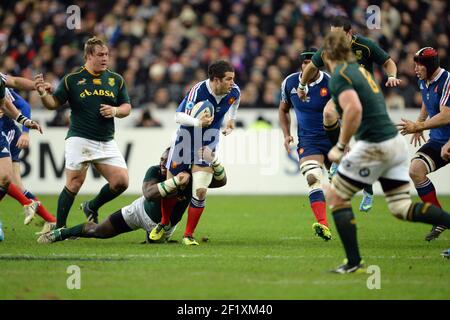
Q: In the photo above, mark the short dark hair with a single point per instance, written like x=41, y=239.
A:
x=341, y=21
x=218, y=68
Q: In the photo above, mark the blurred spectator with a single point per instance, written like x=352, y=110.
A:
x=146, y=120
x=394, y=101
x=261, y=123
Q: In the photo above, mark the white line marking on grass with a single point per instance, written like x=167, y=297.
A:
x=113, y=256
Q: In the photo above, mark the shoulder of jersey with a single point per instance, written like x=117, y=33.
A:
x=236, y=89
x=291, y=78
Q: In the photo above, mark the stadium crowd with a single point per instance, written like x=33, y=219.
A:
x=163, y=47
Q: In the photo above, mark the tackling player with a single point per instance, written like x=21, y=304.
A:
x=313, y=143
x=145, y=212
x=434, y=84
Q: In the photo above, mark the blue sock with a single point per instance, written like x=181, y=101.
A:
x=29, y=195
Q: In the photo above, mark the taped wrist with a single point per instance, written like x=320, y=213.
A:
x=219, y=170
x=301, y=86
x=340, y=146
x=22, y=119
x=168, y=186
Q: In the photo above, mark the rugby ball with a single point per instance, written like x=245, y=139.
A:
x=202, y=107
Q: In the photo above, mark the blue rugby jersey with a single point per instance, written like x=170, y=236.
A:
x=309, y=113
x=435, y=95
x=202, y=91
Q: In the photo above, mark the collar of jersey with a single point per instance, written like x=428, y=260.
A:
x=91, y=73
x=312, y=84
x=437, y=76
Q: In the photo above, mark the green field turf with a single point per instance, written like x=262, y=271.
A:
x=260, y=248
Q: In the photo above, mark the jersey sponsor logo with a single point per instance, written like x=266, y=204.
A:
x=101, y=92
x=174, y=165
x=323, y=92
x=112, y=82
x=293, y=91
x=97, y=82
x=364, y=172
x=301, y=150
x=231, y=100
x=82, y=81
x=358, y=54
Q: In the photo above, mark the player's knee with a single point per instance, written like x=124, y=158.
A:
x=74, y=184
x=200, y=182
x=119, y=185
x=399, y=201
x=342, y=191
x=5, y=180
x=312, y=180
x=417, y=175
x=313, y=172
x=400, y=208
x=200, y=193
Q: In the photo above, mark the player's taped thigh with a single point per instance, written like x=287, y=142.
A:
x=312, y=170
x=345, y=187
x=200, y=180
x=399, y=200
x=426, y=159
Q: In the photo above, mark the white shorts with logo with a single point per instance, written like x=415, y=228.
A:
x=368, y=161
x=80, y=152
x=136, y=217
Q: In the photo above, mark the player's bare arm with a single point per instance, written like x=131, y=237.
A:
x=439, y=120
x=445, y=151
x=351, y=119
x=24, y=84
x=391, y=70
x=12, y=112
x=44, y=90
x=307, y=75
x=229, y=127
x=285, y=124
x=121, y=111
x=24, y=141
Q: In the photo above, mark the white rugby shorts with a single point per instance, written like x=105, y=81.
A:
x=80, y=152
x=136, y=217
x=368, y=161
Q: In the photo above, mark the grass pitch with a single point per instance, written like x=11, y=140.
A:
x=260, y=247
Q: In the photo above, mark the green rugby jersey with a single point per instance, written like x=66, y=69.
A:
x=85, y=92
x=153, y=208
x=376, y=126
x=366, y=52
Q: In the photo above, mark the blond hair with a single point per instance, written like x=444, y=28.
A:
x=89, y=46
x=337, y=47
